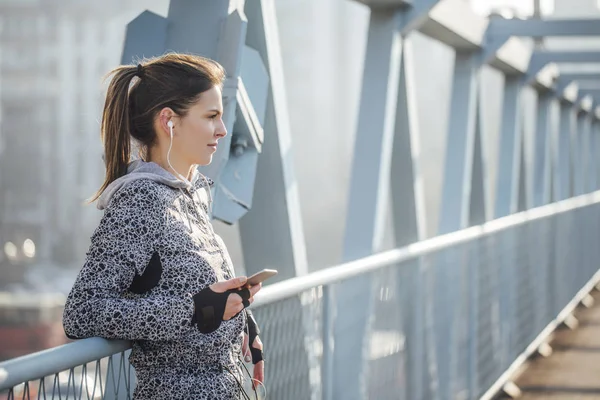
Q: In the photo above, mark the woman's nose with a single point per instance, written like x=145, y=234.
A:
x=221, y=131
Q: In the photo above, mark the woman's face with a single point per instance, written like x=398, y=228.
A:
x=197, y=133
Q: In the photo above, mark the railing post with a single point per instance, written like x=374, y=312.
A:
x=542, y=155
x=562, y=171
x=327, y=363
x=509, y=198
x=473, y=320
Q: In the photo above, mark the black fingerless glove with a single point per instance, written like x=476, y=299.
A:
x=210, y=307
x=253, y=332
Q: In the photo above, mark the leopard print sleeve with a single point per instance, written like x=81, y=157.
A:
x=122, y=247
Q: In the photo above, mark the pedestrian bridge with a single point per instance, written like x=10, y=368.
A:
x=456, y=316
x=469, y=313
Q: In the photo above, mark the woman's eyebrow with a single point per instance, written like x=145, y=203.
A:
x=214, y=110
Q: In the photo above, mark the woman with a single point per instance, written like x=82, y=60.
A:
x=156, y=273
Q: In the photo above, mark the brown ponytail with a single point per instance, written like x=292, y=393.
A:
x=115, y=131
x=172, y=80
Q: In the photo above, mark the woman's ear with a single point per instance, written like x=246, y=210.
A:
x=166, y=120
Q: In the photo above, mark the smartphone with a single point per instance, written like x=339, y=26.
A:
x=261, y=276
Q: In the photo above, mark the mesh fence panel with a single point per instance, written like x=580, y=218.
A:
x=108, y=378
x=293, y=330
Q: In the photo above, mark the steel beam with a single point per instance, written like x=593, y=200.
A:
x=585, y=157
x=408, y=200
x=415, y=15
x=510, y=150
x=581, y=84
x=562, y=84
x=463, y=203
x=408, y=209
x=542, y=152
x=368, y=197
x=588, y=85
x=562, y=163
x=419, y=7
x=570, y=94
x=234, y=193
x=582, y=76
x=555, y=153
x=415, y=12
x=590, y=155
x=512, y=57
x=454, y=23
x=545, y=80
x=371, y=171
x=578, y=152
x=279, y=244
x=462, y=131
x=586, y=102
x=543, y=28
x=540, y=58
x=479, y=207
x=595, y=151
x=146, y=37
x=501, y=30
x=594, y=93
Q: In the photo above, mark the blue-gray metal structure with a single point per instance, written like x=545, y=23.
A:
x=465, y=192
x=522, y=296
x=467, y=306
x=243, y=37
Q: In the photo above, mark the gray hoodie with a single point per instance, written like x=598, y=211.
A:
x=152, y=251
x=148, y=170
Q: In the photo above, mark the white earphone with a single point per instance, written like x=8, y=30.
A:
x=170, y=125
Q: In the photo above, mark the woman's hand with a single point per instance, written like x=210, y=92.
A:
x=259, y=367
x=234, y=303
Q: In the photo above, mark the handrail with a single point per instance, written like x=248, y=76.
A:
x=47, y=362
x=294, y=286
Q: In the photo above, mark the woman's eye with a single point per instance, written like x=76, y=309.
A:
x=214, y=116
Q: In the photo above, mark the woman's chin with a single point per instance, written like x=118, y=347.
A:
x=204, y=161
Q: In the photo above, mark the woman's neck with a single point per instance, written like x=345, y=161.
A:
x=179, y=169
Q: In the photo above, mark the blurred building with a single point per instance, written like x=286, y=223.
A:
x=53, y=55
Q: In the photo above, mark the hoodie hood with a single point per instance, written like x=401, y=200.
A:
x=139, y=169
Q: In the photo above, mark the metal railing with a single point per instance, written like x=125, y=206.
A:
x=451, y=317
